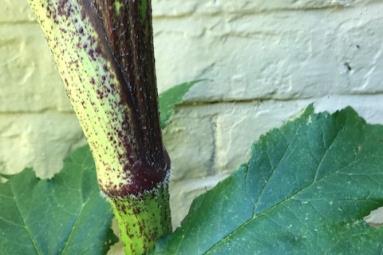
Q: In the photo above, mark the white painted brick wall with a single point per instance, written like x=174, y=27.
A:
x=250, y=50
x=264, y=60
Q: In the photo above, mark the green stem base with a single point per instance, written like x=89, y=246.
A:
x=143, y=220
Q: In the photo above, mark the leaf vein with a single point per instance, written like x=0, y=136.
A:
x=24, y=222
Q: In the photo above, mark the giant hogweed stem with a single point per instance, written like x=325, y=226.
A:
x=104, y=53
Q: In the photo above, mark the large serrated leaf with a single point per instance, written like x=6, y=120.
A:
x=65, y=215
x=305, y=190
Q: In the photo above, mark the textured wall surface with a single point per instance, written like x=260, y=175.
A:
x=264, y=61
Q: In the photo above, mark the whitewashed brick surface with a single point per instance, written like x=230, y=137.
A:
x=264, y=62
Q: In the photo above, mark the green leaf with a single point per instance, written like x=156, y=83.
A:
x=170, y=98
x=305, y=190
x=64, y=215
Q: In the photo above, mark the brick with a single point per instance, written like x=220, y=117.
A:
x=38, y=140
x=29, y=80
x=276, y=55
x=178, y=8
x=15, y=11
x=189, y=140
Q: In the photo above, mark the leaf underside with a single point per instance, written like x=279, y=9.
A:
x=65, y=215
x=305, y=190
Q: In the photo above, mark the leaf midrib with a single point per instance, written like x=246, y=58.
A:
x=270, y=209
x=315, y=181
x=35, y=246
x=69, y=238
x=78, y=216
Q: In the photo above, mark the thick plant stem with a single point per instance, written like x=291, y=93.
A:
x=147, y=216
x=104, y=53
